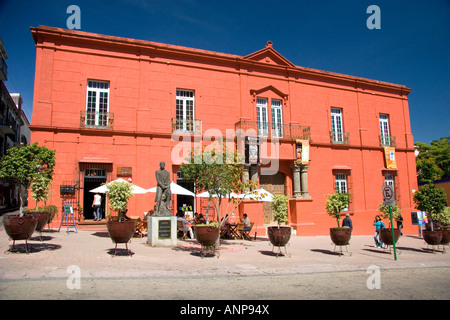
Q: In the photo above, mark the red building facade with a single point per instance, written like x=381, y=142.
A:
x=115, y=107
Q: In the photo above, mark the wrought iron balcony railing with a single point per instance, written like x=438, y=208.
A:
x=388, y=141
x=186, y=126
x=273, y=130
x=96, y=120
x=337, y=137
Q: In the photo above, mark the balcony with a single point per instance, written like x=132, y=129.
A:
x=96, y=120
x=186, y=126
x=273, y=130
x=388, y=141
x=3, y=69
x=339, y=137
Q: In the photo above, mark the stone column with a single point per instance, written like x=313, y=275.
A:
x=296, y=179
x=254, y=173
x=304, y=180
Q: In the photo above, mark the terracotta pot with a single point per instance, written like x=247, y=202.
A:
x=42, y=220
x=445, y=236
x=279, y=237
x=432, y=237
x=340, y=236
x=386, y=236
x=20, y=228
x=121, y=231
x=206, y=236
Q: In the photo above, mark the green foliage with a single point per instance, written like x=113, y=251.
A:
x=337, y=202
x=212, y=224
x=280, y=207
x=52, y=210
x=40, y=188
x=217, y=170
x=384, y=210
x=431, y=199
x=118, y=193
x=439, y=152
x=427, y=170
x=444, y=217
x=23, y=164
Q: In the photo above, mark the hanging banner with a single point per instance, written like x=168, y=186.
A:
x=389, y=155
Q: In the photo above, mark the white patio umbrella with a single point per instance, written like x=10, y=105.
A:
x=259, y=195
x=206, y=195
x=176, y=189
x=135, y=189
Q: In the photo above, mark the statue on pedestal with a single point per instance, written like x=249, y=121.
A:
x=163, y=193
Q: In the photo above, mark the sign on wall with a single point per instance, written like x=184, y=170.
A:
x=389, y=155
x=124, y=172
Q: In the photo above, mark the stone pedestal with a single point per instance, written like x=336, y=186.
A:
x=162, y=231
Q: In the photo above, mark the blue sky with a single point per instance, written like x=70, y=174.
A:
x=412, y=47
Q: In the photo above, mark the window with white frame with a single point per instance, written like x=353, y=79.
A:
x=341, y=182
x=185, y=104
x=336, y=125
x=261, y=117
x=384, y=130
x=97, y=103
x=277, y=119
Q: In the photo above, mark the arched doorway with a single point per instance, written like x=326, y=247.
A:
x=275, y=185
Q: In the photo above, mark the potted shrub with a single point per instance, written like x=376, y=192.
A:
x=444, y=218
x=122, y=229
x=40, y=192
x=431, y=199
x=386, y=234
x=336, y=203
x=22, y=165
x=279, y=235
x=207, y=234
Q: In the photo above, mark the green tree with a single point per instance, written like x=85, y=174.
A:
x=118, y=193
x=439, y=151
x=217, y=170
x=23, y=164
x=431, y=199
x=40, y=188
x=336, y=203
x=280, y=207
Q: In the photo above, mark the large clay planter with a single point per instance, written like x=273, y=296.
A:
x=42, y=220
x=445, y=236
x=121, y=231
x=206, y=236
x=340, y=236
x=432, y=237
x=386, y=236
x=279, y=236
x=20, y=227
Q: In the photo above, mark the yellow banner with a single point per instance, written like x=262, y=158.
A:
x=389, y=155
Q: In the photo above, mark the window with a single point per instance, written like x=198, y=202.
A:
x=384, y=130
x=336, y=125
x=185, y=110
x=277, y=119
x=261, y=117
x=341, y=182
x=97, y=104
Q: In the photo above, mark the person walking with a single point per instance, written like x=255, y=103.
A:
x=96, y=204
x=400, y=223
x=378, y=225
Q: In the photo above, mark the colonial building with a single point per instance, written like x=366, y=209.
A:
x=14, y=132
x=115, y=107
